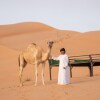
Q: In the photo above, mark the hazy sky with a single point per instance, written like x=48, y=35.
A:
x=78, y=15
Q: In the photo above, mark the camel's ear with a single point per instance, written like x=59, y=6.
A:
x=48, y=41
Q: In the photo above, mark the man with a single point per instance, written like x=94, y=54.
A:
x=63, y=74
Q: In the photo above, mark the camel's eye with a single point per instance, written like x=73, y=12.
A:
x=52, y=42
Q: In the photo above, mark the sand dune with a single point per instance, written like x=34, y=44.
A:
x=21, y=41
x=87, y=43
x=14, y=38
x=27, y=27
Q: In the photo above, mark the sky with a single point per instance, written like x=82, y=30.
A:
x=76, y=15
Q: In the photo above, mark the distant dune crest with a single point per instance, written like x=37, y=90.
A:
x=26, y=27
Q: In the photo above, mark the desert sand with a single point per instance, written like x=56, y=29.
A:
x=15, y=38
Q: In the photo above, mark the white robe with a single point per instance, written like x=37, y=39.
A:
x=63, y=74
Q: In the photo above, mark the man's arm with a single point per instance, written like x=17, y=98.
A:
x=56, y=58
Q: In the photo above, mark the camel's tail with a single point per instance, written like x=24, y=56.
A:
x=21, y=61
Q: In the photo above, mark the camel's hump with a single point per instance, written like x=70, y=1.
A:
x=33, y=44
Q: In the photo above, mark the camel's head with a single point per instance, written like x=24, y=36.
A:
x=50, y=44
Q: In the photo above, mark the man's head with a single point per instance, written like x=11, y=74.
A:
x=62, y=51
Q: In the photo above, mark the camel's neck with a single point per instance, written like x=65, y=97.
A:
x=46, y=54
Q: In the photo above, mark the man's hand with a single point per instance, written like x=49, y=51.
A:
x=64, y=67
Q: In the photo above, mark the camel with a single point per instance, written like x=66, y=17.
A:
x=35, y=55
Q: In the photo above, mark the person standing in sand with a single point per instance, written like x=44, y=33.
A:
x=63, y=74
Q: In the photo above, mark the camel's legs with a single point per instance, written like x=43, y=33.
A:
x=43, y=65
x=20, y=75
x=36, y=73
